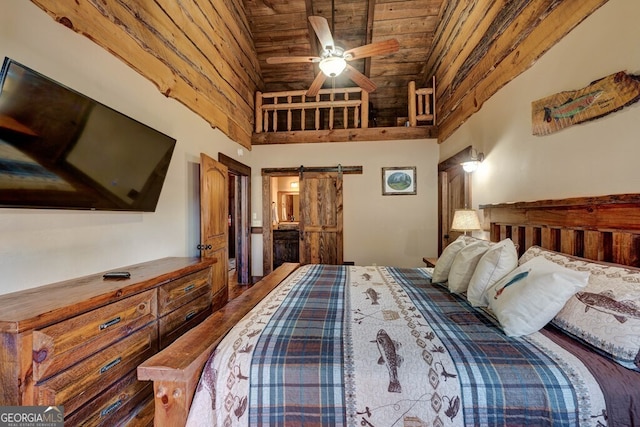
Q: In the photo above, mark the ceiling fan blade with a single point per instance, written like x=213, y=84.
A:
x=360, y=79
x=377, y=48
x=321, y=27
x=317, y=84
x=291, y=59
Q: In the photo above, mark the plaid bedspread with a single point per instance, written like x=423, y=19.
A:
x=382, y=346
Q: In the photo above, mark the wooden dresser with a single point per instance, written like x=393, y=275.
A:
x=78, y=343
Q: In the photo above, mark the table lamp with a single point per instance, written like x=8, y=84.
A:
x=465, y=220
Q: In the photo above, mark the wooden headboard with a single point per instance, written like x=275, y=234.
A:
x=603, y=228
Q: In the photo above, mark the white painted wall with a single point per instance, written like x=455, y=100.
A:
x=594, y=158
x=383, y=230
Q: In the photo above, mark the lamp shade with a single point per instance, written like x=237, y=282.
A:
x=465, y=220
x=333, y=65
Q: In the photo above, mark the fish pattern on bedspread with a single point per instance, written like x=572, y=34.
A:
x=382, y=346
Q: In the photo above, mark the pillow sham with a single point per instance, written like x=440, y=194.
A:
x=465, y=264
x=499, y=260
x=606, y=314
x=531, y=295
x=443, y=265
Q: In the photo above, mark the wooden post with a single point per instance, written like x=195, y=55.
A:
x=433, y=104
x=275, y=115
x=331, y=98
x=289, y=121
x=345, y=112
x=364, y=109
x=302, y=113
x=318, y=113
x=258, y=112
x=412, y=104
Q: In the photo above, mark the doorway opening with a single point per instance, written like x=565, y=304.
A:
x=318, y=224
x=285, y=199
x=239, y=182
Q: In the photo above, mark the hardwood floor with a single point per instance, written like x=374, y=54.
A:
x=234, y=288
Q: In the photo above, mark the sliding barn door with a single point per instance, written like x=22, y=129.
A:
x=214, y=226
x=321, y=218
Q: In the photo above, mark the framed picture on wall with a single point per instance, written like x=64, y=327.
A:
x=398, y=180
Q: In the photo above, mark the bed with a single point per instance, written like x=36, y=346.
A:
x=373, y=346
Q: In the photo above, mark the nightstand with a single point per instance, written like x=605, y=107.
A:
x=431, y=262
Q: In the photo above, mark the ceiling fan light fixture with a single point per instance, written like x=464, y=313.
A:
x=332, y=66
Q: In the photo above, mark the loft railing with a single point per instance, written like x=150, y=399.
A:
x=294, y=110
x=422, y=103
x=346, y=108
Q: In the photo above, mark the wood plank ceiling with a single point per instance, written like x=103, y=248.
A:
x=211, y=55
x=281, y=28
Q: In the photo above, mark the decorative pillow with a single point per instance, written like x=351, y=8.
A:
x=531, y=295
x=606, y=314
x=465, y=264
x=443, y=265
x=499, y=260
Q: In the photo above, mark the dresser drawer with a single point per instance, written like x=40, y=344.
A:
x=80, y=383
x=63, y=344
x=180, y=291
x=176, y=323
x=114, y=404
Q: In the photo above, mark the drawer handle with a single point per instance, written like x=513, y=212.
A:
x=111, y=322
x=189, y=288
x=110, y=365
x=190, y=315
x=109, y=409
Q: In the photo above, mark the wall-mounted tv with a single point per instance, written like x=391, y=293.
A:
x=60, y=149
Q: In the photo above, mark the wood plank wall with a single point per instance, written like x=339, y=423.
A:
x=200, y=53
x=481, y=45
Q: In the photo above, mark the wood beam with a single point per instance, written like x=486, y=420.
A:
x=345, y=135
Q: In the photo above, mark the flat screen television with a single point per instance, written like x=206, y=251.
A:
x=60, y=149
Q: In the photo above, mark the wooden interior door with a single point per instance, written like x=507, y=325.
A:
x=214, y=227
x=454, y=192
x=321, y=218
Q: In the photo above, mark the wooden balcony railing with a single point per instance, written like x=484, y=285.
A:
x=346, y=108
x=422, y=103
x=293, y=110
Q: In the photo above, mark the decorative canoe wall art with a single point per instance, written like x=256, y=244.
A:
x=600, y=98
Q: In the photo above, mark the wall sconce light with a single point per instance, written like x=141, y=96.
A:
x=293, y=184
x=472, y=164
x=465, y=220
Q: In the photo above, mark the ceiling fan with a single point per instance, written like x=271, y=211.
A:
x=333, y=60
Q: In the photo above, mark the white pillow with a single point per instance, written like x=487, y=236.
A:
x=602, y=314
x=443, y=265
x=499, y=260
x=465, y=264
x=531, y=295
